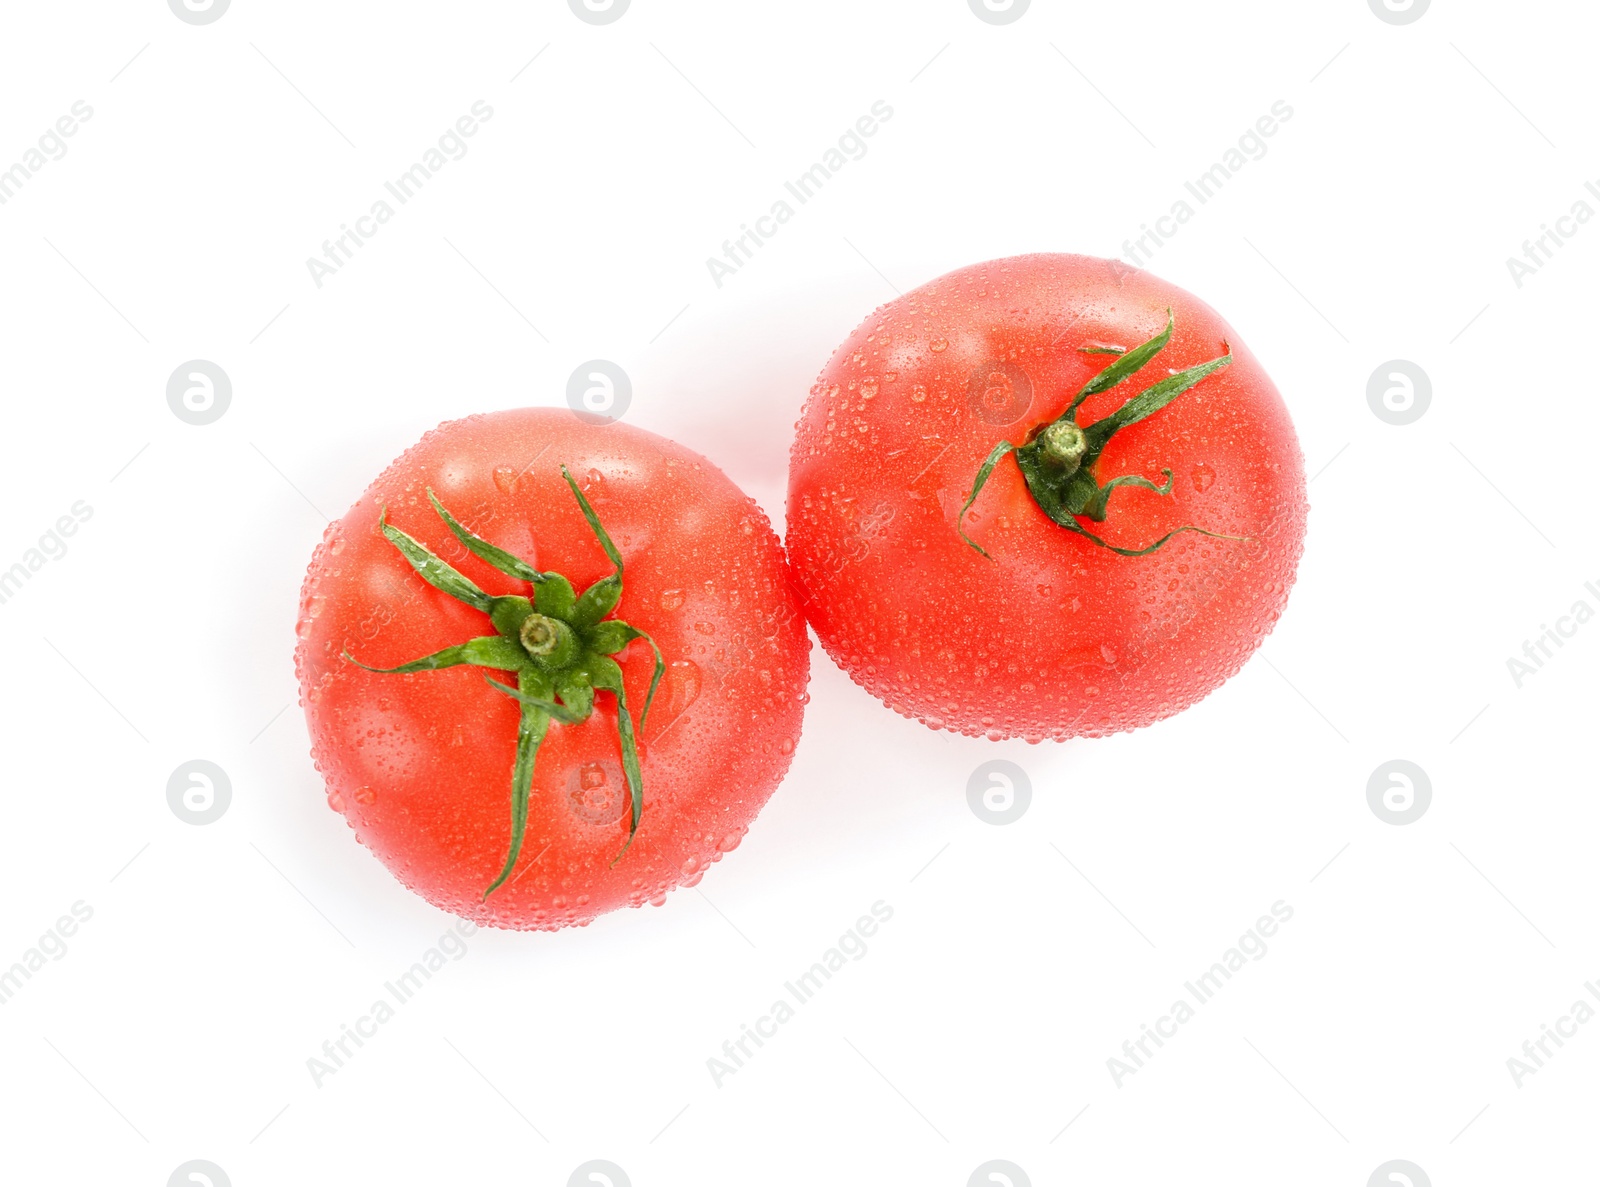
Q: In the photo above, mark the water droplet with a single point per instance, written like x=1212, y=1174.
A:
x=938, y=345
x=671, y=599
x=730, y=842
x=366, y=795
x=691, y=865
x=336, y=801
x=680, y=685
x=918, y=394
x=1202, y=476
x=704, y=628
x=505, y=478
x=786, y=746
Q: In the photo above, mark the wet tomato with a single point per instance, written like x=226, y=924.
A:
x=1044, y=497
x=550, y=668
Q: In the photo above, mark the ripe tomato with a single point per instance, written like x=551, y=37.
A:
x=504, y=780
x=1021, y=617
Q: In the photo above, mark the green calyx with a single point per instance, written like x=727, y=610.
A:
x=1058, y=459
x=559, y=644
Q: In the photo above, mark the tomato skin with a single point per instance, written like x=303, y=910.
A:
x=1054, y=637
x=420, y=764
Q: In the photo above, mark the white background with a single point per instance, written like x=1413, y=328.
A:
x=1019, y=958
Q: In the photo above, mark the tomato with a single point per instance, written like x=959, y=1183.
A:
x=524, y=768
x=1116, y=563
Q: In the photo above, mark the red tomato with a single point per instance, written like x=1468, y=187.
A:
x=1051, y=634
x=424, y=764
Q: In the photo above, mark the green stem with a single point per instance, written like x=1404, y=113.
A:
x=549, y=640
